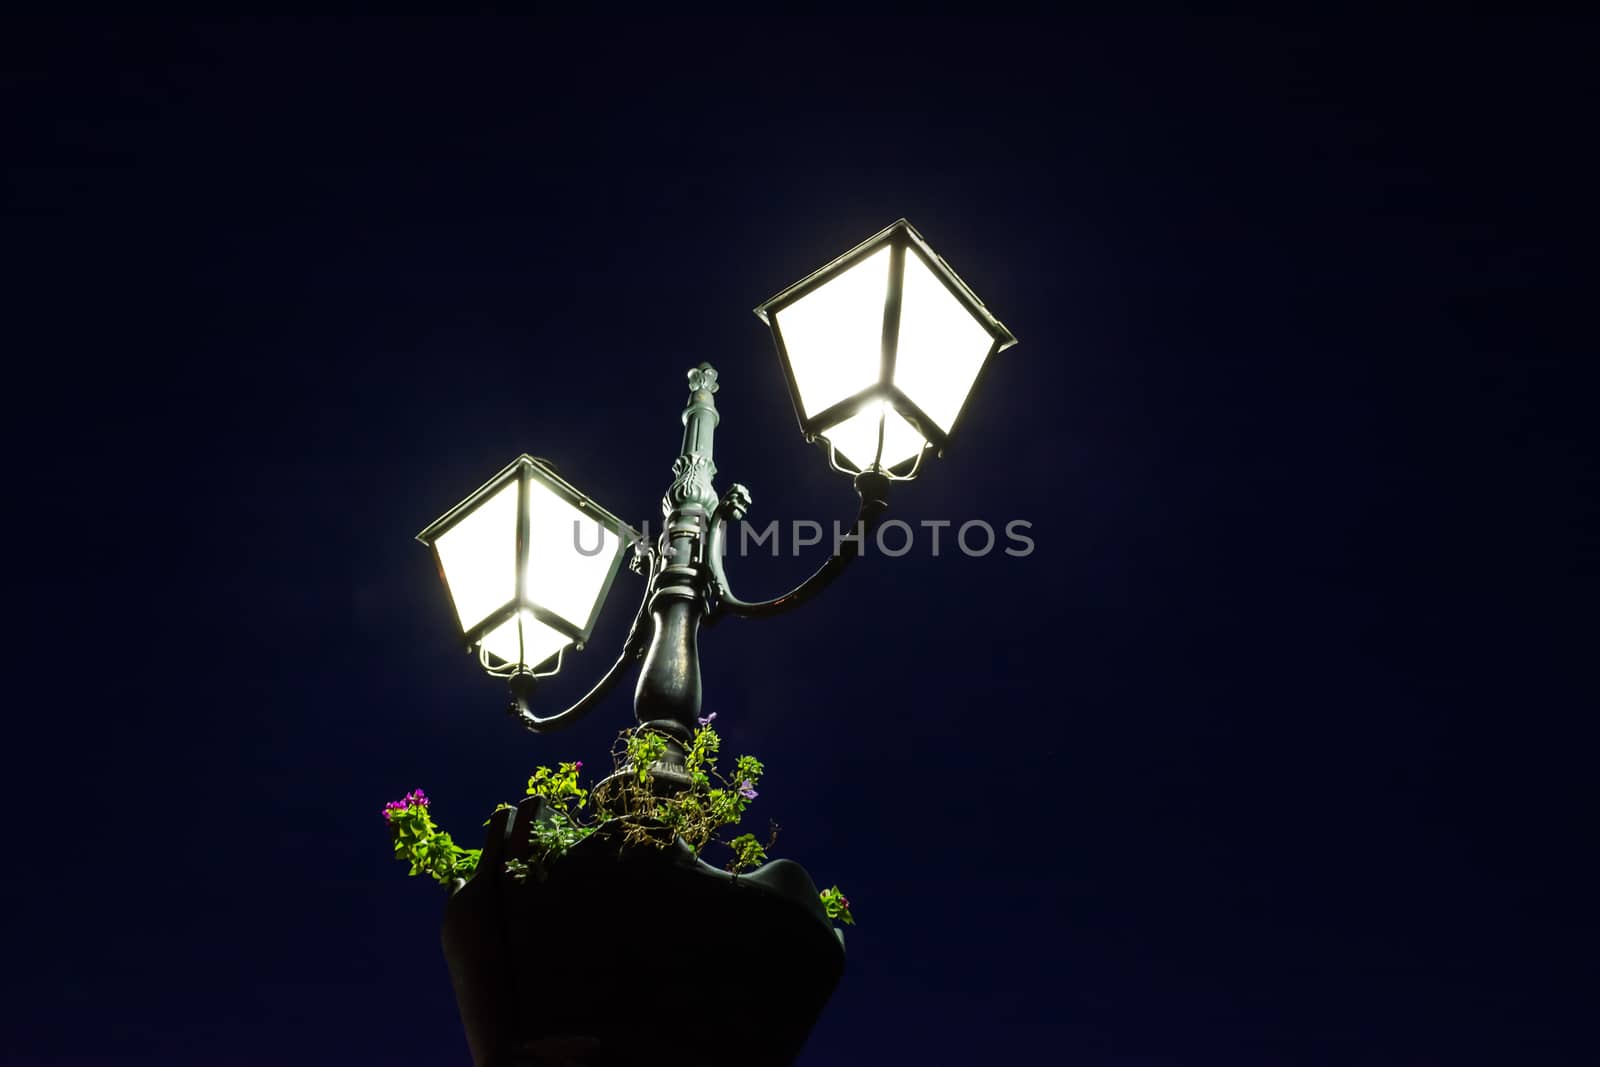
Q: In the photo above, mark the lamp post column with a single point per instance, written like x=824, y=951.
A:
x=668, y=698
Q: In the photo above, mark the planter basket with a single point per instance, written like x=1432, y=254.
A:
x=635, y=955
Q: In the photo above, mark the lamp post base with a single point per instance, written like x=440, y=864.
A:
x=636, y=955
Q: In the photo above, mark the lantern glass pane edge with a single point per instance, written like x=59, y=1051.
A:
x=833, y=335
x=942, y=345
x=478, y=556
x=572, y=556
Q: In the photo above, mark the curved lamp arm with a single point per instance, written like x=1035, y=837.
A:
x=523, y=684
x=873, y=488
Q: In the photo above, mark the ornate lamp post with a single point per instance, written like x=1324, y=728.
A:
x=881, y=349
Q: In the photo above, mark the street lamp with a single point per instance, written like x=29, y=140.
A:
x=881, y=348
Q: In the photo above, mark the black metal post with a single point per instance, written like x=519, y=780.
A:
x=667, y=700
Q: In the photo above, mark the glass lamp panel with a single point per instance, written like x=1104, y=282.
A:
x=479, y=557
x=856, y=438
x=834, y=334
x=942, y=345
x=569, y=556
x=537, y=641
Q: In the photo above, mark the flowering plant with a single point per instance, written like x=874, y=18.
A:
x=645, y=815
x=429, y=849
x=837, y=905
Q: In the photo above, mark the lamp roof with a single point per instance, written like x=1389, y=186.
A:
x=902, y=231
x=545, y=471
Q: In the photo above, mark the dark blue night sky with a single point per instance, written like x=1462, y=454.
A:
x=1280, y=747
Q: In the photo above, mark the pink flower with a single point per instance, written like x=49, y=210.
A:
x=414, y=799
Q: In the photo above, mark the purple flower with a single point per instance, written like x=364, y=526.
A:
x=706, y=721
x=747, y=790
x=415, y=798
x=578, y=766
